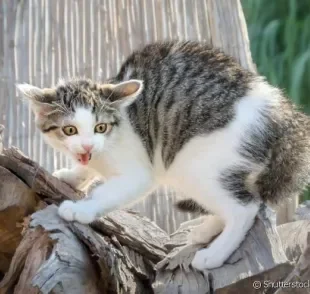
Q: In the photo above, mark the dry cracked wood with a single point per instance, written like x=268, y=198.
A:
x=300, y=274
x=294, y=238
x=124, y=245
x=107, y=266
x=260, y=255
x=118, y=253
x=16, y=201
x=38, y=179
x=29, y=255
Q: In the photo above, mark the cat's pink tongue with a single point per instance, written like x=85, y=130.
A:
x=84, y=158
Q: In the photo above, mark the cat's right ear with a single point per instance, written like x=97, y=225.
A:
x=124, y=93
x=40, y=100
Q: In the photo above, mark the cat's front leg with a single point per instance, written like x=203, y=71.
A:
x=74, y=176
x=115, y=193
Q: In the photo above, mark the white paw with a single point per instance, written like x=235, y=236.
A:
x=199, y=236
x=68, y=176
x=207, y=259
x=77, y=211
x=192, y=223
x=63, y=174
x=203, y=233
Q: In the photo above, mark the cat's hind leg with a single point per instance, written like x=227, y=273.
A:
x=192, y=223
x=208, y=227
x=238, y=220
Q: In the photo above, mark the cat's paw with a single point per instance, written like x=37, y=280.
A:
x=203, y=233
x=77, y=211
x=64, y=175
x=207, y=259
x=68, y=176
x=191, y=223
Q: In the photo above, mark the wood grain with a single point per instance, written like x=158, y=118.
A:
x=127, y=253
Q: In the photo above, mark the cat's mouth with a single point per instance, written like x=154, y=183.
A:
x=84, y=158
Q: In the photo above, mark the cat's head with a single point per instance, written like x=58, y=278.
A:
x=79, y=117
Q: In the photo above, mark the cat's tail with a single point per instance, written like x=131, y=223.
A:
x=288, y=170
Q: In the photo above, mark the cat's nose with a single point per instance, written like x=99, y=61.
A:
x=87, y=147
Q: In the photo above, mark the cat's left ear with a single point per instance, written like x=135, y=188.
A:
x=40, y=100
x=124, y=93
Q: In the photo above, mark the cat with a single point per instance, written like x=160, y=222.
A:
x=181, y=114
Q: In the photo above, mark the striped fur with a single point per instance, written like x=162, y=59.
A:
x=188, y=92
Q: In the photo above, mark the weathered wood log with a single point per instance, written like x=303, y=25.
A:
x=122, y=268
x=16, y=201
x=105, y=267
x=299, y=279
x=126, y=253
x=294, y=238
x=251, y=259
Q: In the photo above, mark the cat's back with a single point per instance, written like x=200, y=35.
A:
x=190, y=89
x=202, y=116
x=180, y=60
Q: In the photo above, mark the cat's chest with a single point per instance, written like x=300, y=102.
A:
x=120, y=162
x=101, y=167
x=122, y=159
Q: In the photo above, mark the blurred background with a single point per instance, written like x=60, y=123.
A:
x=43, y=40
x=279, y=33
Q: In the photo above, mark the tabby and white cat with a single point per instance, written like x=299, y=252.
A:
x=184, y=115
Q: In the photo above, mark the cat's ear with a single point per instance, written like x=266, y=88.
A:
x=40, y=100
x=124, y=93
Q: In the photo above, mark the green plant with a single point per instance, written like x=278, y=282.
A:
x=279, y=32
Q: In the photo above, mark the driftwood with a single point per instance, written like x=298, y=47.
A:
x=124, y=252
x=111, y=266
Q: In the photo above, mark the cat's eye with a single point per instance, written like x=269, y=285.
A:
x=101, y=128
x=70, y=130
